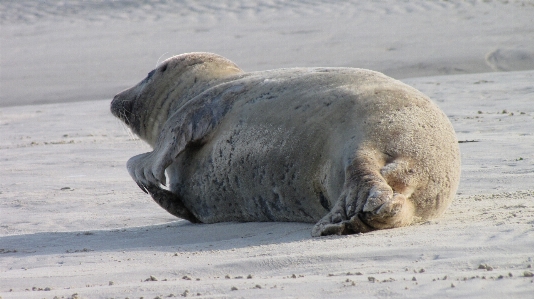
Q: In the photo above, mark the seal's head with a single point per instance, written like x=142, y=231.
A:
x=145, y=107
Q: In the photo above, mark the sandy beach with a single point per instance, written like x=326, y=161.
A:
x=74, y=224
x=79, y=50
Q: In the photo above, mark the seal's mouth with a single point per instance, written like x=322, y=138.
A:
x=122, y=109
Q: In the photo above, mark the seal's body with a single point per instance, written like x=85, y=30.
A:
x=351, y=149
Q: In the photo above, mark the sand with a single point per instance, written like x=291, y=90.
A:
x=87, y=50
x=74, y=225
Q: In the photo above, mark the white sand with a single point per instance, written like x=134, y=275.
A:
x=87, y=50
x=103, y=237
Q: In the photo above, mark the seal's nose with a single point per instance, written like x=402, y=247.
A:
x=115, y=106
x=121, y=108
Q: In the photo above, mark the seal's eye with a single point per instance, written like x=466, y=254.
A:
x=163, y=68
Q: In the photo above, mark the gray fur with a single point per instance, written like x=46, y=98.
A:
x=350, y=149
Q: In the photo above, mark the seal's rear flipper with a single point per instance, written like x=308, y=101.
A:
x=171, y=203
x=368, y=202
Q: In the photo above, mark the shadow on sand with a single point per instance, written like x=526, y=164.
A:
x=173, y=236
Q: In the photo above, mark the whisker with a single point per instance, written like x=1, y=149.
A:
x=125, y=128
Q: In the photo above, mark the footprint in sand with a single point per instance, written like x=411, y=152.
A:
x=510, y=59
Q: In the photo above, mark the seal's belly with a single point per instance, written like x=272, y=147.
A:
x=253, y=174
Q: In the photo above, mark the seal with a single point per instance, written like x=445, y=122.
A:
x=349, y=149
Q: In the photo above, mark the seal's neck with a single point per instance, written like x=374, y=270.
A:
x=178, y=93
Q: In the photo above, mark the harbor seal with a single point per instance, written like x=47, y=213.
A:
x=349, y=149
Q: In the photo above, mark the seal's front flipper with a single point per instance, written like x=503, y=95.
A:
x=148, y=169
x=191, y=124
x=171, y=203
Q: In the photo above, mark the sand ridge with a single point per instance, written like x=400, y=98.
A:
x=85, y=50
